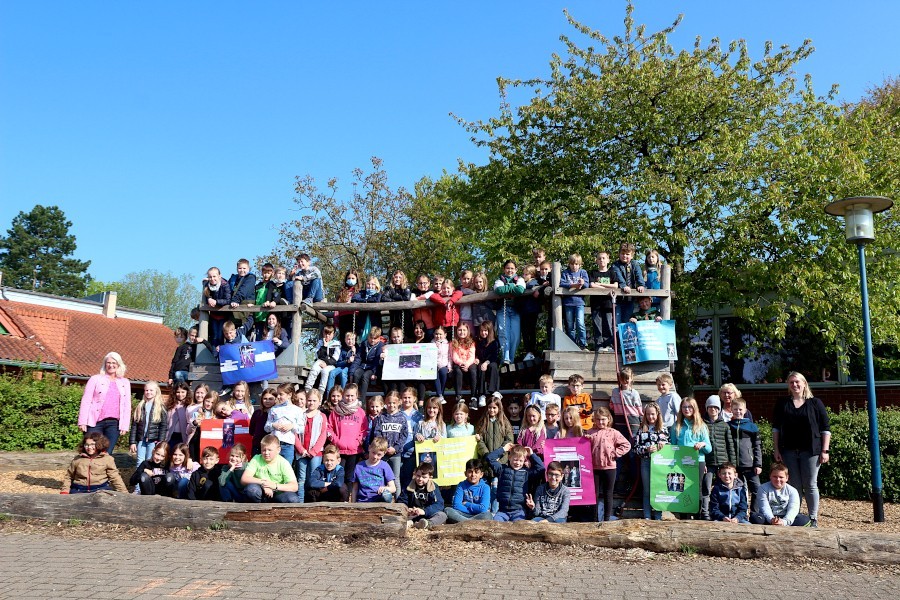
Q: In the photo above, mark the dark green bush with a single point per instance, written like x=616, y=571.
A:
x=848, y=474
x=38, y=414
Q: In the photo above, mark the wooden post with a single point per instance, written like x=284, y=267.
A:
x=297, y=323
x=666, y=284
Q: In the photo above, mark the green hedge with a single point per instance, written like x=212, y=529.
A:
x=38, y=414
x=848, y=474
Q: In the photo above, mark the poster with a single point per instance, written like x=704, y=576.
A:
x=410, y=362
x=578, y=467
x=223, y=434
x=675, y=479
x=247, y=361
x=647, y=340
x=449, y=457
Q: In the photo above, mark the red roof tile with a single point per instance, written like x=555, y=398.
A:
x=80, y=340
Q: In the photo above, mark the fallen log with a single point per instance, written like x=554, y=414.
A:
x=322, y=518
x=711, y=538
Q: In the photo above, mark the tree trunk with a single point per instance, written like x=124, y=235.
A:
x=323, y=518
x=711, y=538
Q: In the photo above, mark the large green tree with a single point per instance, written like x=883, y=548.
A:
x=36, y=253
x=721, y=161
x=165, y=293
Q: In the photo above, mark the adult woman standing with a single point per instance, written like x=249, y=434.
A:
x=508, y=285
x=106, y=403
x=727, y=393
x=801, y=436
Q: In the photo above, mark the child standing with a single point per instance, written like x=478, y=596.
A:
x=487, y=359
x=652, y=278
x=372, y=479
x=626, y=404
x=399, y=291
x=747, y=449
x=328, y=351
x=481, y=311
x=268, y=477
x=513, y=479
x=728, y=500
x=408, y=406
x=494, y=432
x=627, y=272
x=423, y=499
x=690, y=430
x=240, y=398
x=571, y=424
x=574, y=278
x=651, y=436
x=544, y=398
x=267, y=400
x=722, y=449
x=514, y=412
x=393, y=427
x=286, y=421
x=177, y=414
x=509, y=285
x=466, y=276
x=669, y=401
x=327, y=483
x=462, y=360
x=551, y=422
x=551, y=500
x=533, y=435
x=529, y=307
x=425, y=314
x=443, y=362
x=348, y=426
x=601, y=306
x=243, y=285
x=93, y=469
x=460, y=426
x=432, y=426
x=149, y=423
x=607, y=445
x=216, y=294
x=312, y=441
x=580, y=400
x=472, y=499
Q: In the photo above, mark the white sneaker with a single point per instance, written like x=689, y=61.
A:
x=497, y=395
x=528, y=357
x=482, y=401
x=441, y=400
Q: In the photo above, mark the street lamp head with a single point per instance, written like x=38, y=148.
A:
x=858, y=213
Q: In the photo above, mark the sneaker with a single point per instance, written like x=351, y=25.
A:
x=497, y=396
x=613, y=518
x=482, y=402
x=473, y=404
x=441, y=400
x=528, y=357
x=814, y=523
x=422, y=524
x=409, y=524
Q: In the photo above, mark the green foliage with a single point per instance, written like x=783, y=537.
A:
x=848, y=474
x=164, y=293
x=219, y=525
x=36, y=254
x=38, y=415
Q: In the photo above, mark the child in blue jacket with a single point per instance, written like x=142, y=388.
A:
x=728, y=499
x=472, y=499
x=513, y=479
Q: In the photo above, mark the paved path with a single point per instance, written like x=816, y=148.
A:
x=37, y=565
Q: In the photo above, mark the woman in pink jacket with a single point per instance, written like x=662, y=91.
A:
x=607, y=444
x=106, y=403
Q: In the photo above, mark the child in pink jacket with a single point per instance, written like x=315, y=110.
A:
x=607, y=444
x=348, y=426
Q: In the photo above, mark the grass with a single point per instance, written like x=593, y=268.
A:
x=688, y=550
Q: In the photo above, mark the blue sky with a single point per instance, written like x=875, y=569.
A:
x=171, y=133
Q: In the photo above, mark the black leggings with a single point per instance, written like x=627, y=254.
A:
x=473, y=379
x=605, y=484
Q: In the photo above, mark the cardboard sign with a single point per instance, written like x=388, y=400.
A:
x=647, y=340
x=675, y=479
x=449, y=457
x=409, y=362
x=247, y=361
x=223, y=434
x=578, y=468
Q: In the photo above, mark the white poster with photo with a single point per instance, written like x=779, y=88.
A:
x=410, y=362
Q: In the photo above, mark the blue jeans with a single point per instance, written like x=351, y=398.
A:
x=144, y=451
x=216, y=335
x=287, y=451
x=508, y=332
x=231, y=493
x=624, y=310
x=645, y=484
x=255, y=493
x=548, y=519
x=110, y=429
x=87, y=489
x=456, y=516
x=440, y=383
x=305, y=467
x=312, y=291
x=803, y=469
x=575, y=324
x=341, y=374
x=513, y=515
x=180, y=376
x=183, y=487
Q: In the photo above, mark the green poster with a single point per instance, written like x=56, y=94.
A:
x=675, y=479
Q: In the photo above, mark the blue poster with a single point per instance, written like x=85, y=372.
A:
x=647, y=340
x=247, y=361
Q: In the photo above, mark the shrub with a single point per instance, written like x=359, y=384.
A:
x=848, y=475
x=38, y=414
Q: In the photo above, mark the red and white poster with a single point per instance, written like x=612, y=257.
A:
x=578, y=468
x=223, y=434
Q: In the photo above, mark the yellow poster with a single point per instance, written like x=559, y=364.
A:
x=448, y=456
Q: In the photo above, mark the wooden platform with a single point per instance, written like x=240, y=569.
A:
x=599, y=372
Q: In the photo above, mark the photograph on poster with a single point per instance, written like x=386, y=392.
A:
x=571, y=473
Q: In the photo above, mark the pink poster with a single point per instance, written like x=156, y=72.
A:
x=578, y=468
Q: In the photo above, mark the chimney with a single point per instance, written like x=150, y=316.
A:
x=109, y=305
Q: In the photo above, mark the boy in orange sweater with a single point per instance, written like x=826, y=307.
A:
x=576, y=397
